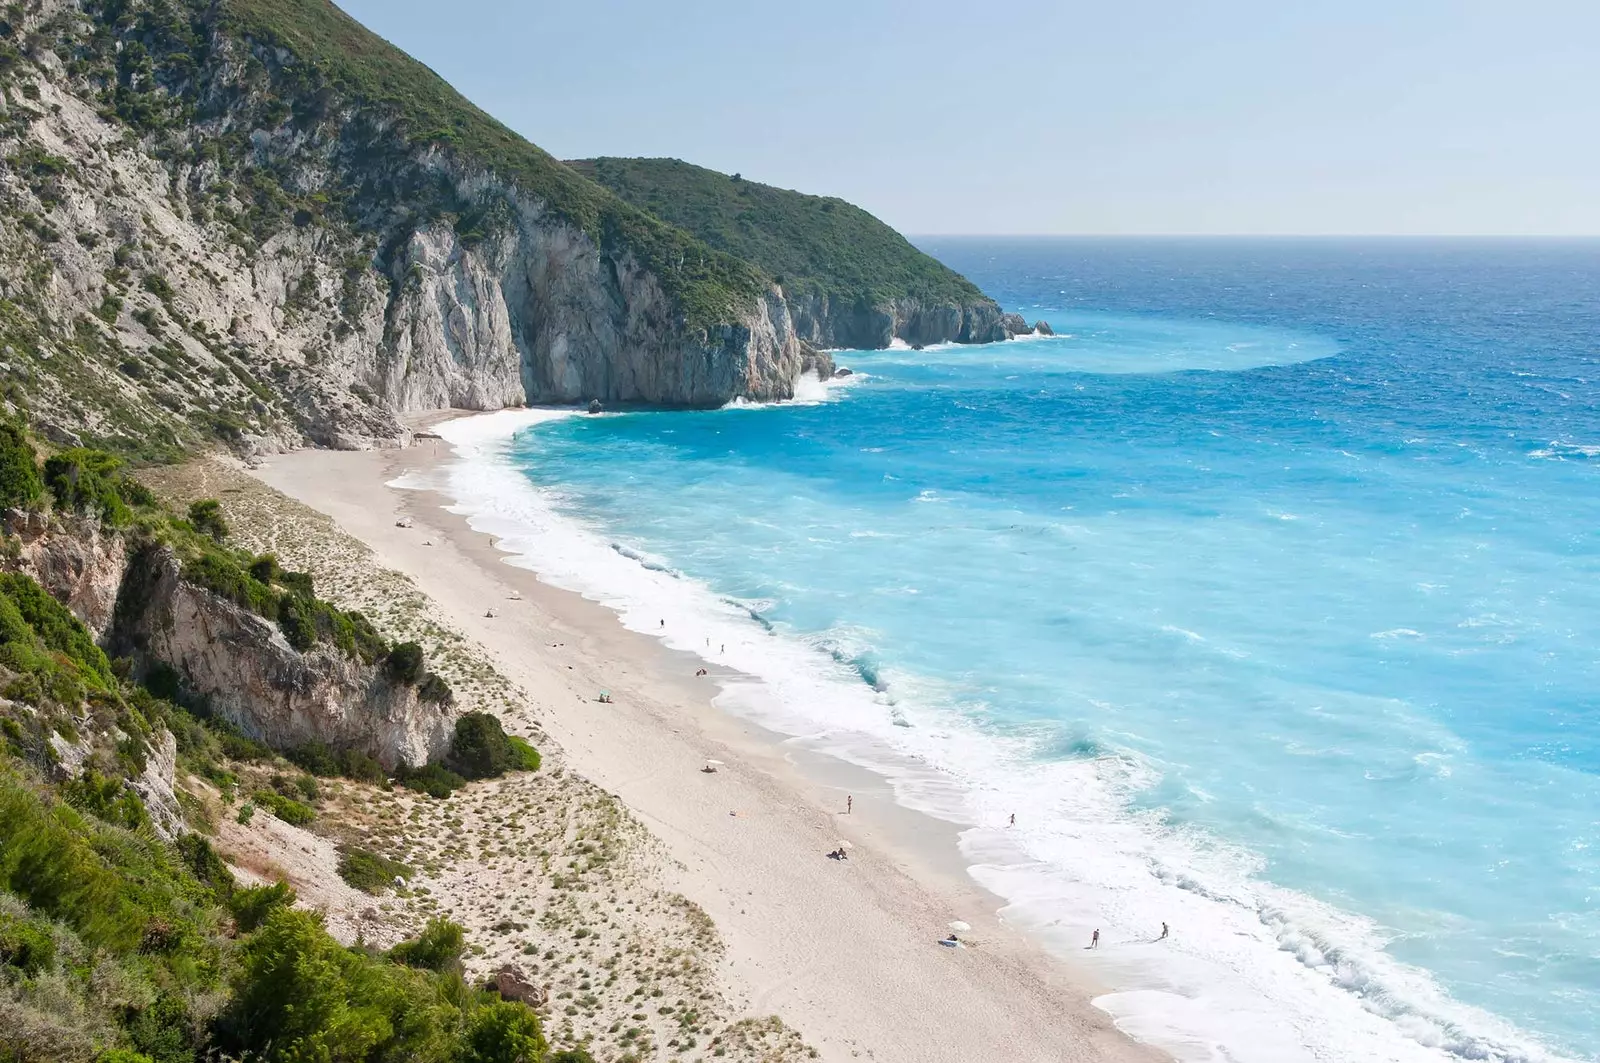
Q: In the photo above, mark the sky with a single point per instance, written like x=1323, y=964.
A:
x=1025, y=117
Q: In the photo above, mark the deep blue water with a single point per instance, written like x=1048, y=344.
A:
x=1272, y=579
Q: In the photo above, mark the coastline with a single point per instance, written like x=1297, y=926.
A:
x=845, y=953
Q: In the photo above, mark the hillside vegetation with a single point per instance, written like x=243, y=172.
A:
x=346, y=56
x=124, y=935
x=809, y=244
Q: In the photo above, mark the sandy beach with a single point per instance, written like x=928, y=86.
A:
x=845, y=953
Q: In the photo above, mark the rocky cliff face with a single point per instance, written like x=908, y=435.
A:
x=201, y=234
x=242, y=668
x=539, y=314
x=238, y=663
x=827, y=322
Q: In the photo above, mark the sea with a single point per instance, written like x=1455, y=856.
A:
x=1265, y=595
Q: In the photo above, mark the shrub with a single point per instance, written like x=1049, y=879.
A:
x=221, y=574
x=252, y=905
x=20, y=484
x=437, y=948
x=206, y=516
x=434, y=689
x=316, y=757
x=266, y=569
x=56, y=628
x=107, y=798
x=524, y=756
x=571, y=1055
x=405, y=663
x=89, y=481
x=206, y=866
x=367, y=871
x=287, y=809
x=26, y=945
x=319, y=758
x=481, y=749
x=435, y=780
x=503, y=1032
x=297, y=618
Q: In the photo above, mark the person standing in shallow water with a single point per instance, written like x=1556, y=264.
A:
x=1164, y=931
x=849, y=803
x=1094, y=941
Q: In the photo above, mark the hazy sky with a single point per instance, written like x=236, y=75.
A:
x=1015, y=116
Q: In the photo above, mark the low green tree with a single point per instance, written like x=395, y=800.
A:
x=206, y=516
x=503, y=1032
x=21, y=487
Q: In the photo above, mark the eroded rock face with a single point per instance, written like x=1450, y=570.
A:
x=81, y=566
x=246, y=672
x=154, y=787
x=825, y=322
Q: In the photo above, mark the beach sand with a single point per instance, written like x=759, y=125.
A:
x=844, y=952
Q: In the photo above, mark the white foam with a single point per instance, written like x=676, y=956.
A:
x=1252, y=973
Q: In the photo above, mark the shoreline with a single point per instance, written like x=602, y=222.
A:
x=845, y=953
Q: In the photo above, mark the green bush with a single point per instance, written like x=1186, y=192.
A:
x=503, y=1032
x=21, y=487
x=58, y=629
x=524, y=756
x=91, y=482
x=287, y=809
x=318, y=758
x=251, y=905
x=297, y=618
x=435, y=780
x=405, y=663
x=206, y=516
x=27, y=945
x=208, y=868
x=266, y=569
x=367, y=871
x=107, y=798
x=481, y=749
x=437, y=948
x=434, y=689
x=221, y=574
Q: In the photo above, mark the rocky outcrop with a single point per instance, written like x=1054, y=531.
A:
x=76, y=561
x=240, y=667
x=1042, y=328
x=828, y=322
x=155, y=786
x=512, y=984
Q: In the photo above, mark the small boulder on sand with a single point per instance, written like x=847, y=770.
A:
x=513, y=984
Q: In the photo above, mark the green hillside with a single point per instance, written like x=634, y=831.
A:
x=811, y=244
x=368, y=69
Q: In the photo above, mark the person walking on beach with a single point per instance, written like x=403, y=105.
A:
x=1013, y=819
x=1094, y=941
x=1163, y=936
x=849, y=803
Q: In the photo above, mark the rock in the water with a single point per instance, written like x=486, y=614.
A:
x=1043, y=328
x=513, y=984
x=594, y=406
x=843, y=371
x=1014, y=325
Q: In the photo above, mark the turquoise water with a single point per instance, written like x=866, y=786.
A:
x=1266, y=594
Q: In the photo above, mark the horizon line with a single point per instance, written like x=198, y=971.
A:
x=1255, y=236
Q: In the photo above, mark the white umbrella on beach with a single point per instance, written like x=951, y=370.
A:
x=846, y=845
x=959, y=927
